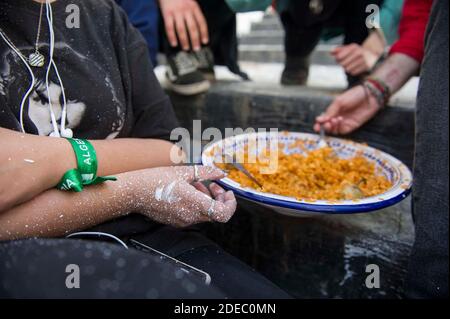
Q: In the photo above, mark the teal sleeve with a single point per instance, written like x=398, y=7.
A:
x=248, y=5
x=390, y=15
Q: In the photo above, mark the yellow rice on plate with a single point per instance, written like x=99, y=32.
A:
x=316, y=175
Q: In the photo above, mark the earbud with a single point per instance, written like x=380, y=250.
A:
x=67, y=133
x=54, y=134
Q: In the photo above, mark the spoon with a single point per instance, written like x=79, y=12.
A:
x=349, y=191
x=322, y=142
x=242, y=169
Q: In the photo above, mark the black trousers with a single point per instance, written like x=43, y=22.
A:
x=428, y=273
x=303, y=28
x=36, y=268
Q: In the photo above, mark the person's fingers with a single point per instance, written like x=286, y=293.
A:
x=355, y=66
x=336, y=50
x=216, y=190
x=335, y=126
x=208, y=173
x=169, y=23
x=352, y=58
x=328, y=127
x=202, y=188
x=316, y=127
x=223, y=211
x=342, y=127
x=342, y=53
x=202, y=25
x=193, y=31
x=181, y=32
x=345, y=129
x=322, y=119
x=345, y=52
x=216, y=210
x=197, y=173
x=332, y=111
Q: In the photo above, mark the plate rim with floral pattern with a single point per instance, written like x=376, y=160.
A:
x=400, y=175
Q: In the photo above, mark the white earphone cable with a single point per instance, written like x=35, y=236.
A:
x=33, y=81
x=98, y=234
x=63, y=131
x=56, y=132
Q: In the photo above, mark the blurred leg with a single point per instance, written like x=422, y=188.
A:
x=428, y=271
x=222, y=34
x=234, y=278
x=303, y=28
x=355, y=27
x=36, y=268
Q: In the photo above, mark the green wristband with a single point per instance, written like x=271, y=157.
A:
x=86, y=159
x=71, y=181
x=86, y=172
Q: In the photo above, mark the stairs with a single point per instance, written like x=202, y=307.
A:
x=265, y=44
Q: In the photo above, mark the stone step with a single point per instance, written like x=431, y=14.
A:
x=270, y=18
x=258, y=27
x=268, y=33
x=267, y=26
x=274, y=53
x=263, y=37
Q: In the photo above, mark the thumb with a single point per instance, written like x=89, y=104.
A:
x=336, y=50
x=343, y=52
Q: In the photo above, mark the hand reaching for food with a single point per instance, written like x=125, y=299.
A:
x=348, y=112
x=175, y=196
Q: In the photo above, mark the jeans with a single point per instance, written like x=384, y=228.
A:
x=428, y=271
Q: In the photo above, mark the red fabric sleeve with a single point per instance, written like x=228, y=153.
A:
x=412, y=29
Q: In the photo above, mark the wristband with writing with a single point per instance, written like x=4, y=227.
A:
x=86, y=172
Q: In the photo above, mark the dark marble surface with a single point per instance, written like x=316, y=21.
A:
x=320, y=257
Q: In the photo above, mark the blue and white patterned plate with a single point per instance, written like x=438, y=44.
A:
x=397, y=173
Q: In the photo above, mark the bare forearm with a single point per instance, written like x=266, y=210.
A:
x=31, y=164
x=397, y=70
x=56, y=213
x=114, y=156
x=124, y=155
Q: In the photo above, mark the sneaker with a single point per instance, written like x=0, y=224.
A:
x=205, y=60
x=183, y=75
x=296, y=71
